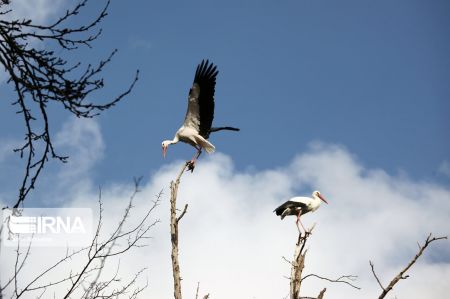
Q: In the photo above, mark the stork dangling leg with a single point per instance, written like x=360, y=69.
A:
x=191, y=163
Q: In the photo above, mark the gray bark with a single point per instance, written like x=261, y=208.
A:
x=174, y=232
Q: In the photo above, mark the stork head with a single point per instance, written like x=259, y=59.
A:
x=165, y=145
x=316, y=194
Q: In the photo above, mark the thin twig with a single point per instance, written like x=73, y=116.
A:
x=376, y=277
x=198, y=287
x=341, y=279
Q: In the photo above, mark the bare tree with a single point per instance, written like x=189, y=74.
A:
x=401, y=275
x=298, y=264
x=174, y=220
x=85, y=280
x=40, y=78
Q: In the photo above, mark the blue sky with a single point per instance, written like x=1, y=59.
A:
x=349, y=97
x=372, y=76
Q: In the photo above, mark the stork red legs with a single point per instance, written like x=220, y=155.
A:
x=298, y=220
x=191, y=164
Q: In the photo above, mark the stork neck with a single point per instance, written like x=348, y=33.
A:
x=317, y=200
x=169, y=142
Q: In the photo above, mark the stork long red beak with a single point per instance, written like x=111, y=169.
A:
x=320, y=196
x=164, y=151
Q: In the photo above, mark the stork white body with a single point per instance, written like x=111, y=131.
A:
x=298, y=206
x=192, y=136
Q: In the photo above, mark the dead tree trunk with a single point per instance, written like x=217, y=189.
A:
x=174, y=232
x=297, y=265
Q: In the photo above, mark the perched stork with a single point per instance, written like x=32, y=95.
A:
x=200, y=113
x=298, y=206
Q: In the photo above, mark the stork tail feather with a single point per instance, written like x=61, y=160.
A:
x=209, y=148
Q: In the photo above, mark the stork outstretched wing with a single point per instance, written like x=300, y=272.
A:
x=200, y=111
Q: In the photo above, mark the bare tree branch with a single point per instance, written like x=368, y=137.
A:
x=342, y=279
x=40, y=78
x=401, y=274
x=376, y=277
x=182, y=213
x=198, y=287
x=321, y=294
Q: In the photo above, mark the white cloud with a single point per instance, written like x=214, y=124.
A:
x=444, y=168
x=82, y=142
x=80, y=139
x=38, y=10
x=8, y=164
x=232, y=243
x=140, y=43
x=7, y=147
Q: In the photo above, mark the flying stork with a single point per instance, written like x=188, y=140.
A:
x=298, y=206
x=200, y=113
